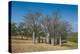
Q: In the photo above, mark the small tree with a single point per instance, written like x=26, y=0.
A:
x=13, y=29
x=21, y=30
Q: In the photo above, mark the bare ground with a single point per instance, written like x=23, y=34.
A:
x=27, y=46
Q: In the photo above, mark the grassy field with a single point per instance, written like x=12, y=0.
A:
x=19, y=45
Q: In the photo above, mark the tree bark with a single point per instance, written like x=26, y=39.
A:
x=60, y=41
x=33, y=37
x=52, y=41
x=47, y=38
x=39, y=39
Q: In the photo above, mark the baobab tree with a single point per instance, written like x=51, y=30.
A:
x=31, y=19
x=56, y=29
x=51, y=27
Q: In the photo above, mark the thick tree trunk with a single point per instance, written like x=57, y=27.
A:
x=38, y=39
x=55, y=40
x=47, y=38
x=33, y=37
x=43, y=39
x=52, y=41
x=60, y=41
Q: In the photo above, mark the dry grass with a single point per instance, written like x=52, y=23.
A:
x=27, y=46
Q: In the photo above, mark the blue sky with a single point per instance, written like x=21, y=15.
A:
x=68, y=12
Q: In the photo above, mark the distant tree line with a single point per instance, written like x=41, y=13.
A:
x=73, y=37
x=50, y=29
